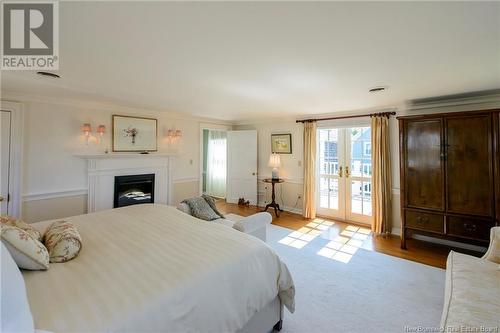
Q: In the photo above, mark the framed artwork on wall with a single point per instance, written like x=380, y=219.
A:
x=281, y=143
x=134, y=134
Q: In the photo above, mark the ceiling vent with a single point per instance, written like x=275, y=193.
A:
x=475, y=97
x=48, y=74
x=378, y=89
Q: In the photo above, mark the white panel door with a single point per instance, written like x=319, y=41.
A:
x=5, y=160
x=242, y=166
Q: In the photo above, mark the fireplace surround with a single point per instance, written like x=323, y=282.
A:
x=103, y=168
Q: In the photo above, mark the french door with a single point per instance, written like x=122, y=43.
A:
x=344, y=173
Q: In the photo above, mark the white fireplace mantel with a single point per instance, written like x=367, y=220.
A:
x=103, y=168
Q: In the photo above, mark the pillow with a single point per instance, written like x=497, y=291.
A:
x=201, y=209
x=63, y=241
x=16, y=315
x=27, y=252
x=8, y=220
x=211, y=202
x=184, y=207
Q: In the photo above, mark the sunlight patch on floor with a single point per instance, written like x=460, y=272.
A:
x=300, y=238
x=346, y=244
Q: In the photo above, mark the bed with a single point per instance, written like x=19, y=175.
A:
x=152, y=268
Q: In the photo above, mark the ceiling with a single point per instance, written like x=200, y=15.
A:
x=250, y=60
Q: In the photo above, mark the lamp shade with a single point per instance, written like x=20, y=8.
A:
x=101, y=129
x=86, y=128
x=274, y=161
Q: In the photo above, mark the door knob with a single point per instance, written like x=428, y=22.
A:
x=1, y=198
x=253, y=173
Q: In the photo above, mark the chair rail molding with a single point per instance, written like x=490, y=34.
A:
x=54, y=194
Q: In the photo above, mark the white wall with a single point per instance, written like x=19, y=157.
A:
x=55, y=180
x=291, y=164
x=293, y=173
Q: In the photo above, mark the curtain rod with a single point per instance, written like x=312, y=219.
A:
x=380, y=114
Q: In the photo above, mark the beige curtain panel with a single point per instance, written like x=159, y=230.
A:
x=381, y=175
x=309, y=195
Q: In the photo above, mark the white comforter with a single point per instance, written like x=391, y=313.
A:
x=154, y=268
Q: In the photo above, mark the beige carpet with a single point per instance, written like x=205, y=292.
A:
x=344, y=288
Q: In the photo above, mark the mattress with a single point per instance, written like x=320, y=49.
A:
x=152, y=268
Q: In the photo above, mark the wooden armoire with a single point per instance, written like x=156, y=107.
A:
x=450, y=175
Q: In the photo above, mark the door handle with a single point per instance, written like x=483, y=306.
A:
x=1, y=198
x=340, y=172
x=347, y=172
x=253, y=173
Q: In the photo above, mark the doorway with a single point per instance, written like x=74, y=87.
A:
x=214, y=166
x=11, y=128
x=344, y=173
x=5, y=129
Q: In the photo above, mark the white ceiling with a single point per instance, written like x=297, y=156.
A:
x=243, y=60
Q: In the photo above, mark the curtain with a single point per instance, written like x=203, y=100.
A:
x=216, y=164
x=381, y=175
x=309, y=195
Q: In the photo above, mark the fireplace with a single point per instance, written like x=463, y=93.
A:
x=134, y=190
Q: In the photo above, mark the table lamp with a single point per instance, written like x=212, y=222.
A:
x=274, y=162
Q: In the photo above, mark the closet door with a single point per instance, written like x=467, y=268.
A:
x=469, y=165
x=424, y=164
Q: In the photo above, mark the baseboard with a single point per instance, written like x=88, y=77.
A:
x=450, y=243
x=285, y=208
x=397, y=232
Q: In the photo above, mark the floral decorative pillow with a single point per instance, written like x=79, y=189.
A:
x=12, y=221
x=62, y=241
x=27, y=252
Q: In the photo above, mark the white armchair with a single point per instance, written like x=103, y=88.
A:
x=255, y=225
x=472, y=296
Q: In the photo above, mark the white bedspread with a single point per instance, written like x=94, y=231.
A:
x=153, y=268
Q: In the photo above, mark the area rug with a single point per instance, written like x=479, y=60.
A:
x=359, y=290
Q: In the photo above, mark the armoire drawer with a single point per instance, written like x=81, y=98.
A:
x=469, y=227
x=424, y=221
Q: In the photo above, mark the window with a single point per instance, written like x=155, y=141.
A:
x=367, y=189
x=330, y=151
x=367, y=169
x=367, y=148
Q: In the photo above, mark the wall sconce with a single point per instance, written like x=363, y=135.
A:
x=86, y=129
x=174, y=135
x=101, y=130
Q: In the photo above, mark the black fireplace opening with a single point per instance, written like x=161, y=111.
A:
x=134, y=190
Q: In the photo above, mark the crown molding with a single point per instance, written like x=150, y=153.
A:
x=341, y=113
x=10, y=96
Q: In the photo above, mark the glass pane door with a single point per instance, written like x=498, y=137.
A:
x=344, y=173
x=330, y=151
x=359, y=174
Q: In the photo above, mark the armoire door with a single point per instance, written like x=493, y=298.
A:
x=469, y=171
x=424, y=164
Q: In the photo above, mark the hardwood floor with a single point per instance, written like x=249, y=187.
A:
x=418, y=251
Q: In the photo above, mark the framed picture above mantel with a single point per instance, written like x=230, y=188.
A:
x=134, y=134
x=281, y=143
